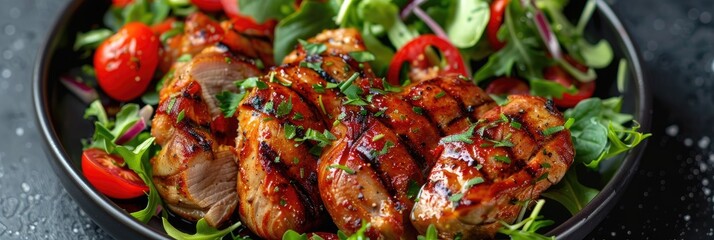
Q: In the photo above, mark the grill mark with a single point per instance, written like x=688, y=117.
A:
x=426, y=115
x=322, y=73
x=374, y=164
x=416, y=157
x=310, y=105
x=191, y=128
x=354, y=64
x=458, y=100
x=267, y=155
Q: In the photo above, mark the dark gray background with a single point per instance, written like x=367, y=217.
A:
x=670, y=197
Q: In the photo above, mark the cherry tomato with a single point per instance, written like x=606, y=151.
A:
x=413, y=52
x=209, y=5
x=585, y=90
x=126, y=61
x=121, y=3
x=498, y=7
x=106, y=173
x=507, y=86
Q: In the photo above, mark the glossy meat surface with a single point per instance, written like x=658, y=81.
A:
x=476, y=184
x=195, y=172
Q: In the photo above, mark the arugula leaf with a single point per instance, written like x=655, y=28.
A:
x=431, y=233
x=526, y=229
x=461, y=137
x=312, y=17
x=284, y=108
x=263, y=10
x=545, y=88
x=312, y=49
x=472, y=15
x=386, y=14
x=382, y=53
x=251, y=82
x=570, y=193
x=96, y=109
x=127, y=116
x=138, y=161
x=91, y=39
x=229, y=102
x=362, y=56
x=203, y=231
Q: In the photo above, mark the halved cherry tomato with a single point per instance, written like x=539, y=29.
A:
x=121, y=3
x=108, y=174
x=585, y=90
x=498, y=7
x=209, y=5
x=126, y=61
x=413, y=52
x=507, y=86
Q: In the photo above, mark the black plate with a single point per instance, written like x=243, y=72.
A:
x=59, y=115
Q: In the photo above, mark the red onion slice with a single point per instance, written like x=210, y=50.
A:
x=438, y=31
x=86, y=93
x=546, y=33
x=146, y=112
x=409, y=8
x=132, y=132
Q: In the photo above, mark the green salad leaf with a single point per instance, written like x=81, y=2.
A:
x=263, y=10
x=312, y=18
x=526, y=229
x=472, y=15
x=203, y=231
x=571, y=193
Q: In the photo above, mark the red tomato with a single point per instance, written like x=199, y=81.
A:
x=413, y=52
x=121, y=3
x=507, y=86
x=126, y=61
x=230, y=7
x=106, y=174
x=585, y=90
x=209, y=5
x=498, y=7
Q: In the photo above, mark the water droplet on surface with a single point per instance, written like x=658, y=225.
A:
x=25, y=187
x=19, y=131
x=7, y=54
x=687, y=217
x=14, y=12
x=6, y=73
x=688, y=142
x=703, y=143
x=705, y=17
x=672, y=130
x=9, y=30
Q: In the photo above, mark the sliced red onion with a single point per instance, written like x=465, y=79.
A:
x=86, y=93
x=132, y=132
x=409, y=8
x=546, y=33
x=438, y=31
x=146, y=112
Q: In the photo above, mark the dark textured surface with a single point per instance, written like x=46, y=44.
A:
x=670, y=197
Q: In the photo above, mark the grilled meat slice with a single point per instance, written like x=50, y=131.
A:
x=474, y=185
x=366, y=176
x=277, y=179
x=450, y=101
x=200, y=31
x=195, y=172
x=249, y=42
x=338, y=42
x=194, y=175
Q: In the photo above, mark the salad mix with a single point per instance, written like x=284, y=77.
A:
x=507, y=46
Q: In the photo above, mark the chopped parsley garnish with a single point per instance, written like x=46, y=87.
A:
x=284, y=108
x=478, y=166
x=380, y=113
x=276, y=189
x=413, y=189
x=251, y=82
x=505, y=142
x=317, y=66
x=553, y=130
x=229, y=102
x=418, y=110
x=296, y=160
x=389, y=88
x=377, y=137
x=312, y=48
x=283, y=202
x=343, y=168
x=277, y=159
x=545, y=165
x=440, y=95
x=228, y=60
x=172, y=102
x=503, y=159
x=268, y=106
x=184, y=58
x=569, y=123
x=323, y=139
x=387, y=146
x=351, y=91
x=544, y=176
x=180, y=116
x=362, y=56
x=456, y=197
x=462, y=137
x=290, y=131
x=322, y=105
x=474, y=181
x=318, y=88
x=298, y=116
x=516, y=125
x=504, y=118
